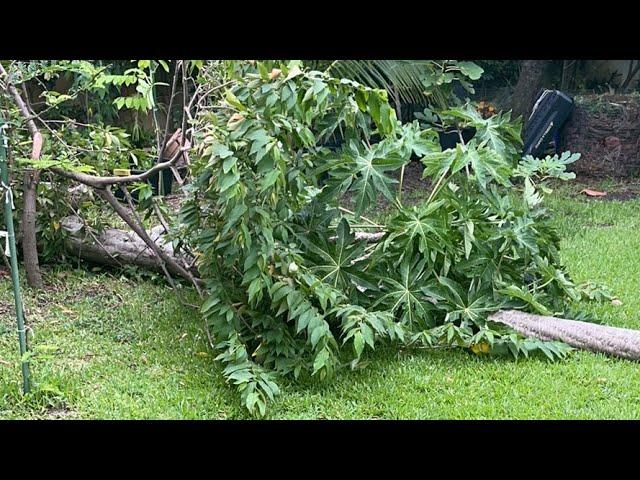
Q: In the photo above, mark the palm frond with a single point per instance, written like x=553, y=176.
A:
x=399, y=77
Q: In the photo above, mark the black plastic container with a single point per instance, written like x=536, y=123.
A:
x=450, y=138
x=549, y=114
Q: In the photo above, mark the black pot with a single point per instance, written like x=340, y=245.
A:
x=450, y=138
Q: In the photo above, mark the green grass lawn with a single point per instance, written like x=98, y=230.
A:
x=110, y=347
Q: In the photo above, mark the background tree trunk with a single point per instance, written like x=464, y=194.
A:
x=631, y=73
x=529, y=83
x=29, y=245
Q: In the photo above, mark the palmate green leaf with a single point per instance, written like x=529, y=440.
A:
x=487, y=164
x=420, y=226
x=497, y=132
x=502, y=134
x=525, y=234
x=472, y=304
x=549, y=167
x=409, y=293
x=371, y=179
x=338, y=263
x=450, y=161
x=520, y=235
x=480, y=264
x=420, y=142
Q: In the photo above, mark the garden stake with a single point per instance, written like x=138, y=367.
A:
x=7, y=199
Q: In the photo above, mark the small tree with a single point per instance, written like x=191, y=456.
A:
x=68, y=135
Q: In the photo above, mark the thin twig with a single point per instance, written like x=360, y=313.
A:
x=370, y=222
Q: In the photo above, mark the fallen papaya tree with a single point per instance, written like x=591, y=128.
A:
x=294, y=290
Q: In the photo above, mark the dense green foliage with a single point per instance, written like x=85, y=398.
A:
x=122, y=348
x=294, y=288
x=294, y=291
x=88, y=113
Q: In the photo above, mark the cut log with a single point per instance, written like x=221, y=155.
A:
x=620, y=342
x=116, y=247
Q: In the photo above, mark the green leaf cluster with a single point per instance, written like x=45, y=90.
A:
x=294, y=290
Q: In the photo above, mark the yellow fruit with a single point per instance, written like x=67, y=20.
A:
x=480, y=348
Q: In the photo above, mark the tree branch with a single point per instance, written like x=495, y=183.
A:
x=24, y=111
x=99, y=182
x=108, y=196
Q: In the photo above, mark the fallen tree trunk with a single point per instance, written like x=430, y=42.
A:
x=115, y=247
x=620, y=342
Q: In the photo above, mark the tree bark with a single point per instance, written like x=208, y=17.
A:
x=31, y=179
x=115, y=247
x=29, y=242
x=529, y=83
x=620, y=342
x=631, y=73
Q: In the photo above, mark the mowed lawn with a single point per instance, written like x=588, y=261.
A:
x=108, y=347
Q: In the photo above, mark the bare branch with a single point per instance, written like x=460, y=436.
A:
x=99, y=182
x=108, y=196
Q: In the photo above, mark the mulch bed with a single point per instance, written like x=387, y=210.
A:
x=605, y=129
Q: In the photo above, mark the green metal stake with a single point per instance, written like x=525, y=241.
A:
x=7, y=199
